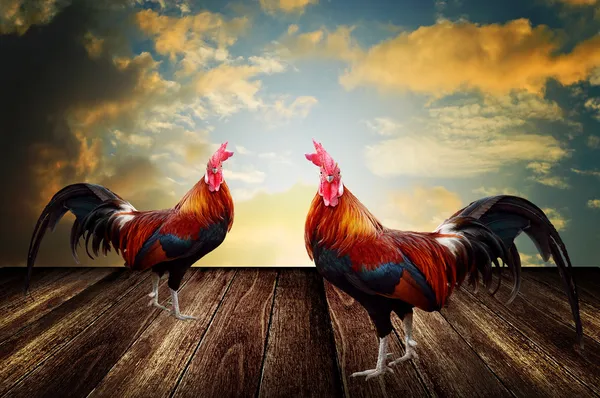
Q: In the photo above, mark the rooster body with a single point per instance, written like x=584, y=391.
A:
x=166, y=241
x=387, y=270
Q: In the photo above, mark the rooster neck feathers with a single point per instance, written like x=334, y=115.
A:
x=339, y=227
x=205, y=206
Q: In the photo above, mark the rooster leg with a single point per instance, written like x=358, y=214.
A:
x=381, y=367
x=178, y=315
x=410, y=343
x=154, y=293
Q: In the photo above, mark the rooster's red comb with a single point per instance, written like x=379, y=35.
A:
x=321, y=158
x=220, y=155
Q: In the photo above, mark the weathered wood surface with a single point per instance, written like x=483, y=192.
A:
x=283, y=332
x=524, y=367
x=300, y=357
x=233, y=345
x=161, y=353
x=45, y=300
x=25, y=350
x=88, y=357
x=555, y=338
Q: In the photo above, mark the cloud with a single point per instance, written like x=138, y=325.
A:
x=542, y=173
x=593, y=141
x=593, y=173
x=383, y=126
x=286, y=6
x=337, y=44
x=420, y=208
x=38, y=97
x=19, y=15
x=192, y=40
x=268, y=230
x=557, y=219
x=593, y=203
x=450, y=57
x=534, y=260
x=470, y=139
x=249, y=175
x=593, y=105
x=280, y=113
x=228, y=88
x=268, y=64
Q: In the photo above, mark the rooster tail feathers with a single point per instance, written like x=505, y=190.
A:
x=507, y=216
x=80, y=199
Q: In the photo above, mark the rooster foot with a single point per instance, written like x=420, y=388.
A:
x=154, y=303
x=410, y=354
x=373, y=372
x=184, y=317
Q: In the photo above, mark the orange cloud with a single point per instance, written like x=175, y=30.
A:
x=456, y=56
x=198, y=38
x=286, y=6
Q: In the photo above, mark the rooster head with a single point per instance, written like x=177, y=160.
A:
x=214, y=168
x=330, y=186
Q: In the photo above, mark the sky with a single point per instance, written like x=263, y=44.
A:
x=425, y=105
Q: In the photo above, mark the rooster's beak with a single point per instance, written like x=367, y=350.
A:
x=214, y=170
x=329, y=178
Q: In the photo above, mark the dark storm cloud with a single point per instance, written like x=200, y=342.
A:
x=44, y=73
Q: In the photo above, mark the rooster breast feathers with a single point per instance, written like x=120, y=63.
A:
x=382, y=266
x=176, y=236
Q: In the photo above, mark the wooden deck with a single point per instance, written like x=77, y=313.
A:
x=283, y=332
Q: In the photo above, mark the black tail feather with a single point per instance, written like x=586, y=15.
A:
x=507, y=216
x=80, y=199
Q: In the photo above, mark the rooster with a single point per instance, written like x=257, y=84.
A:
x=167, y=241
x=387, y=270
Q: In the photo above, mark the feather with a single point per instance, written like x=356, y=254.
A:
x=80, y=199
x=507, y=216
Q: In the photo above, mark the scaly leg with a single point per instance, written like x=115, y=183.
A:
x=410, y=343
x=381, y=367
x=176, y=312
x=154, y=293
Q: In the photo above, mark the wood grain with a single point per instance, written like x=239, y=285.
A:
x=522, y=366
x=159, y=356
x=555, y=338
x=81, y=364
x=446, y=363
x=588, y=284
x=357, y=347
x=42, y=302
x=554, y=301
x=23, y=351
x=11, y=289
x=300, y=359
x=228, y=359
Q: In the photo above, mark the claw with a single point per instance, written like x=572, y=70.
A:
x=410, y=354
x=371, y=373
x=184, y=317
x=154, y=303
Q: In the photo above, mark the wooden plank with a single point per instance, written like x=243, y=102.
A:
x=228, y=359
x=588, y=283
x=11, y=289
x=523, y=367
x=159, y=356
x=357, y=346
x=300, y=359
x=45, y=301
x=552, y=336
x=31, y=346
x=77, y=368
x=446, y=363
x=554, y=301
